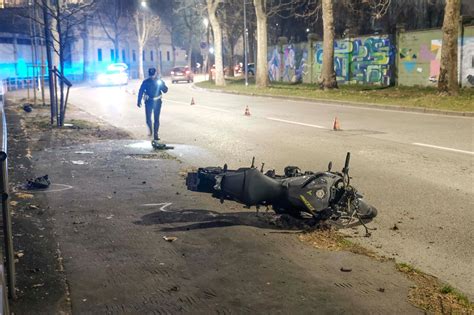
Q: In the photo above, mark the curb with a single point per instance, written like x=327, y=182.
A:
x=422, y=110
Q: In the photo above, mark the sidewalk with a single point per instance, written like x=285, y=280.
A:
x=93, y=242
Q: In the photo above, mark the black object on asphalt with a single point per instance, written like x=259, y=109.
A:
x=160, y=146
x=321, y=196
x=27, y=108
x=41, y=182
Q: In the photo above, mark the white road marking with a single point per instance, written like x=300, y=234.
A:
x=59, y=187
x=442, y=148
x=179, y=102
x=163, y=205
x=197, y=105
x=296, y=123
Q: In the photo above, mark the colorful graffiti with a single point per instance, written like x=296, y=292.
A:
x=412, y=61
x=360, y=60
x=274, y=65
x=287, y=63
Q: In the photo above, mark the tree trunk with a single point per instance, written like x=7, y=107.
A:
x=231, y=59
x=448, y=74
x=141, y=75
x=328, y=75
x=217, y=31
x=261, y=79
x=116, y=49
x=190, y=52
x=85, y=50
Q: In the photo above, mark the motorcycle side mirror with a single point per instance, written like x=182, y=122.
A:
x=253, y=163
x=329, y=166
x=261, y=169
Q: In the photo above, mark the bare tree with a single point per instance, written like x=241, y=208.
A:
x=263, y=10
x=448, y=82
x=212, y=7
x=328, y=75
x=61, y=22
x=147, y=25
x=261, y=79
x=232, y=15
x=114, y=18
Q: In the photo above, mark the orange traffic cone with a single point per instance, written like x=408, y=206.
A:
x=336, y=125
x=247, y=111
x=192, y=101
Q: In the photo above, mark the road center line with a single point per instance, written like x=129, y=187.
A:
x=442, y=148
x=207, y=107
x=296, y=123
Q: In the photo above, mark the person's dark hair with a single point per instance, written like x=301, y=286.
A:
x=151, y=72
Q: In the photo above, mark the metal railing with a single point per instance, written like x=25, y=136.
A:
x=6, y=214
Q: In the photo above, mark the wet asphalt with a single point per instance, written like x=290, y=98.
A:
x=415, y=168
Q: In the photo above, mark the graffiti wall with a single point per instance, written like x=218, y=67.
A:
x=364, y=60
x=415, y=59
x=466, y=69
x=286, y=62
x=419, y=55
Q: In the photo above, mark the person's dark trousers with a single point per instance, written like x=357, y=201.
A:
x=155, y=107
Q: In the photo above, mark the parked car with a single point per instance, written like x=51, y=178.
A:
x=181, y=74
x=116, y=74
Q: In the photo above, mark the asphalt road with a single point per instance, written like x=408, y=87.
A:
x=417, y=169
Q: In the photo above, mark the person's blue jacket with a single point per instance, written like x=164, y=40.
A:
x=153, y=89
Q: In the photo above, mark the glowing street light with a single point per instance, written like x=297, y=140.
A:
x=143, y=4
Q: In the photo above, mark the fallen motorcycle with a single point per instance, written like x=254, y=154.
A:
x=319, y=196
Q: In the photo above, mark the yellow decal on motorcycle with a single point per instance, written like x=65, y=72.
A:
x=306, y=203
x=310, y=192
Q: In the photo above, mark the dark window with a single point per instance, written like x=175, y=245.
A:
x=112, y=55
x=123, y=55
x=6, y=40
x=23, y=41
x=99, y=54
x=168, y=56
x=143, y=55
x=151, y=55
x=134, y=56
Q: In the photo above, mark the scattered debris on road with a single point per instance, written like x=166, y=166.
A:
x=24, y=196
x=79, y=162
x=344, y=269
x=394, y=227
x=170, y=238
x=84, y=152
x=27, y=107
x=41, y=182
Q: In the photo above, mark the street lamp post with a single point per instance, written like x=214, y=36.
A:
x=245, y=46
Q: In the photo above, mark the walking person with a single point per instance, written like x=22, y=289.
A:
x=152, y=90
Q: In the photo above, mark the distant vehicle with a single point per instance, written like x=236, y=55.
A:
x=181, y=74
x=116, y=74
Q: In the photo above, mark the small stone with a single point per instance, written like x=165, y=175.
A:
x=344, y=269
x=381, y=290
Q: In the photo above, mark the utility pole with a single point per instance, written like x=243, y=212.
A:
x=245, y=45
x=47, y=35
